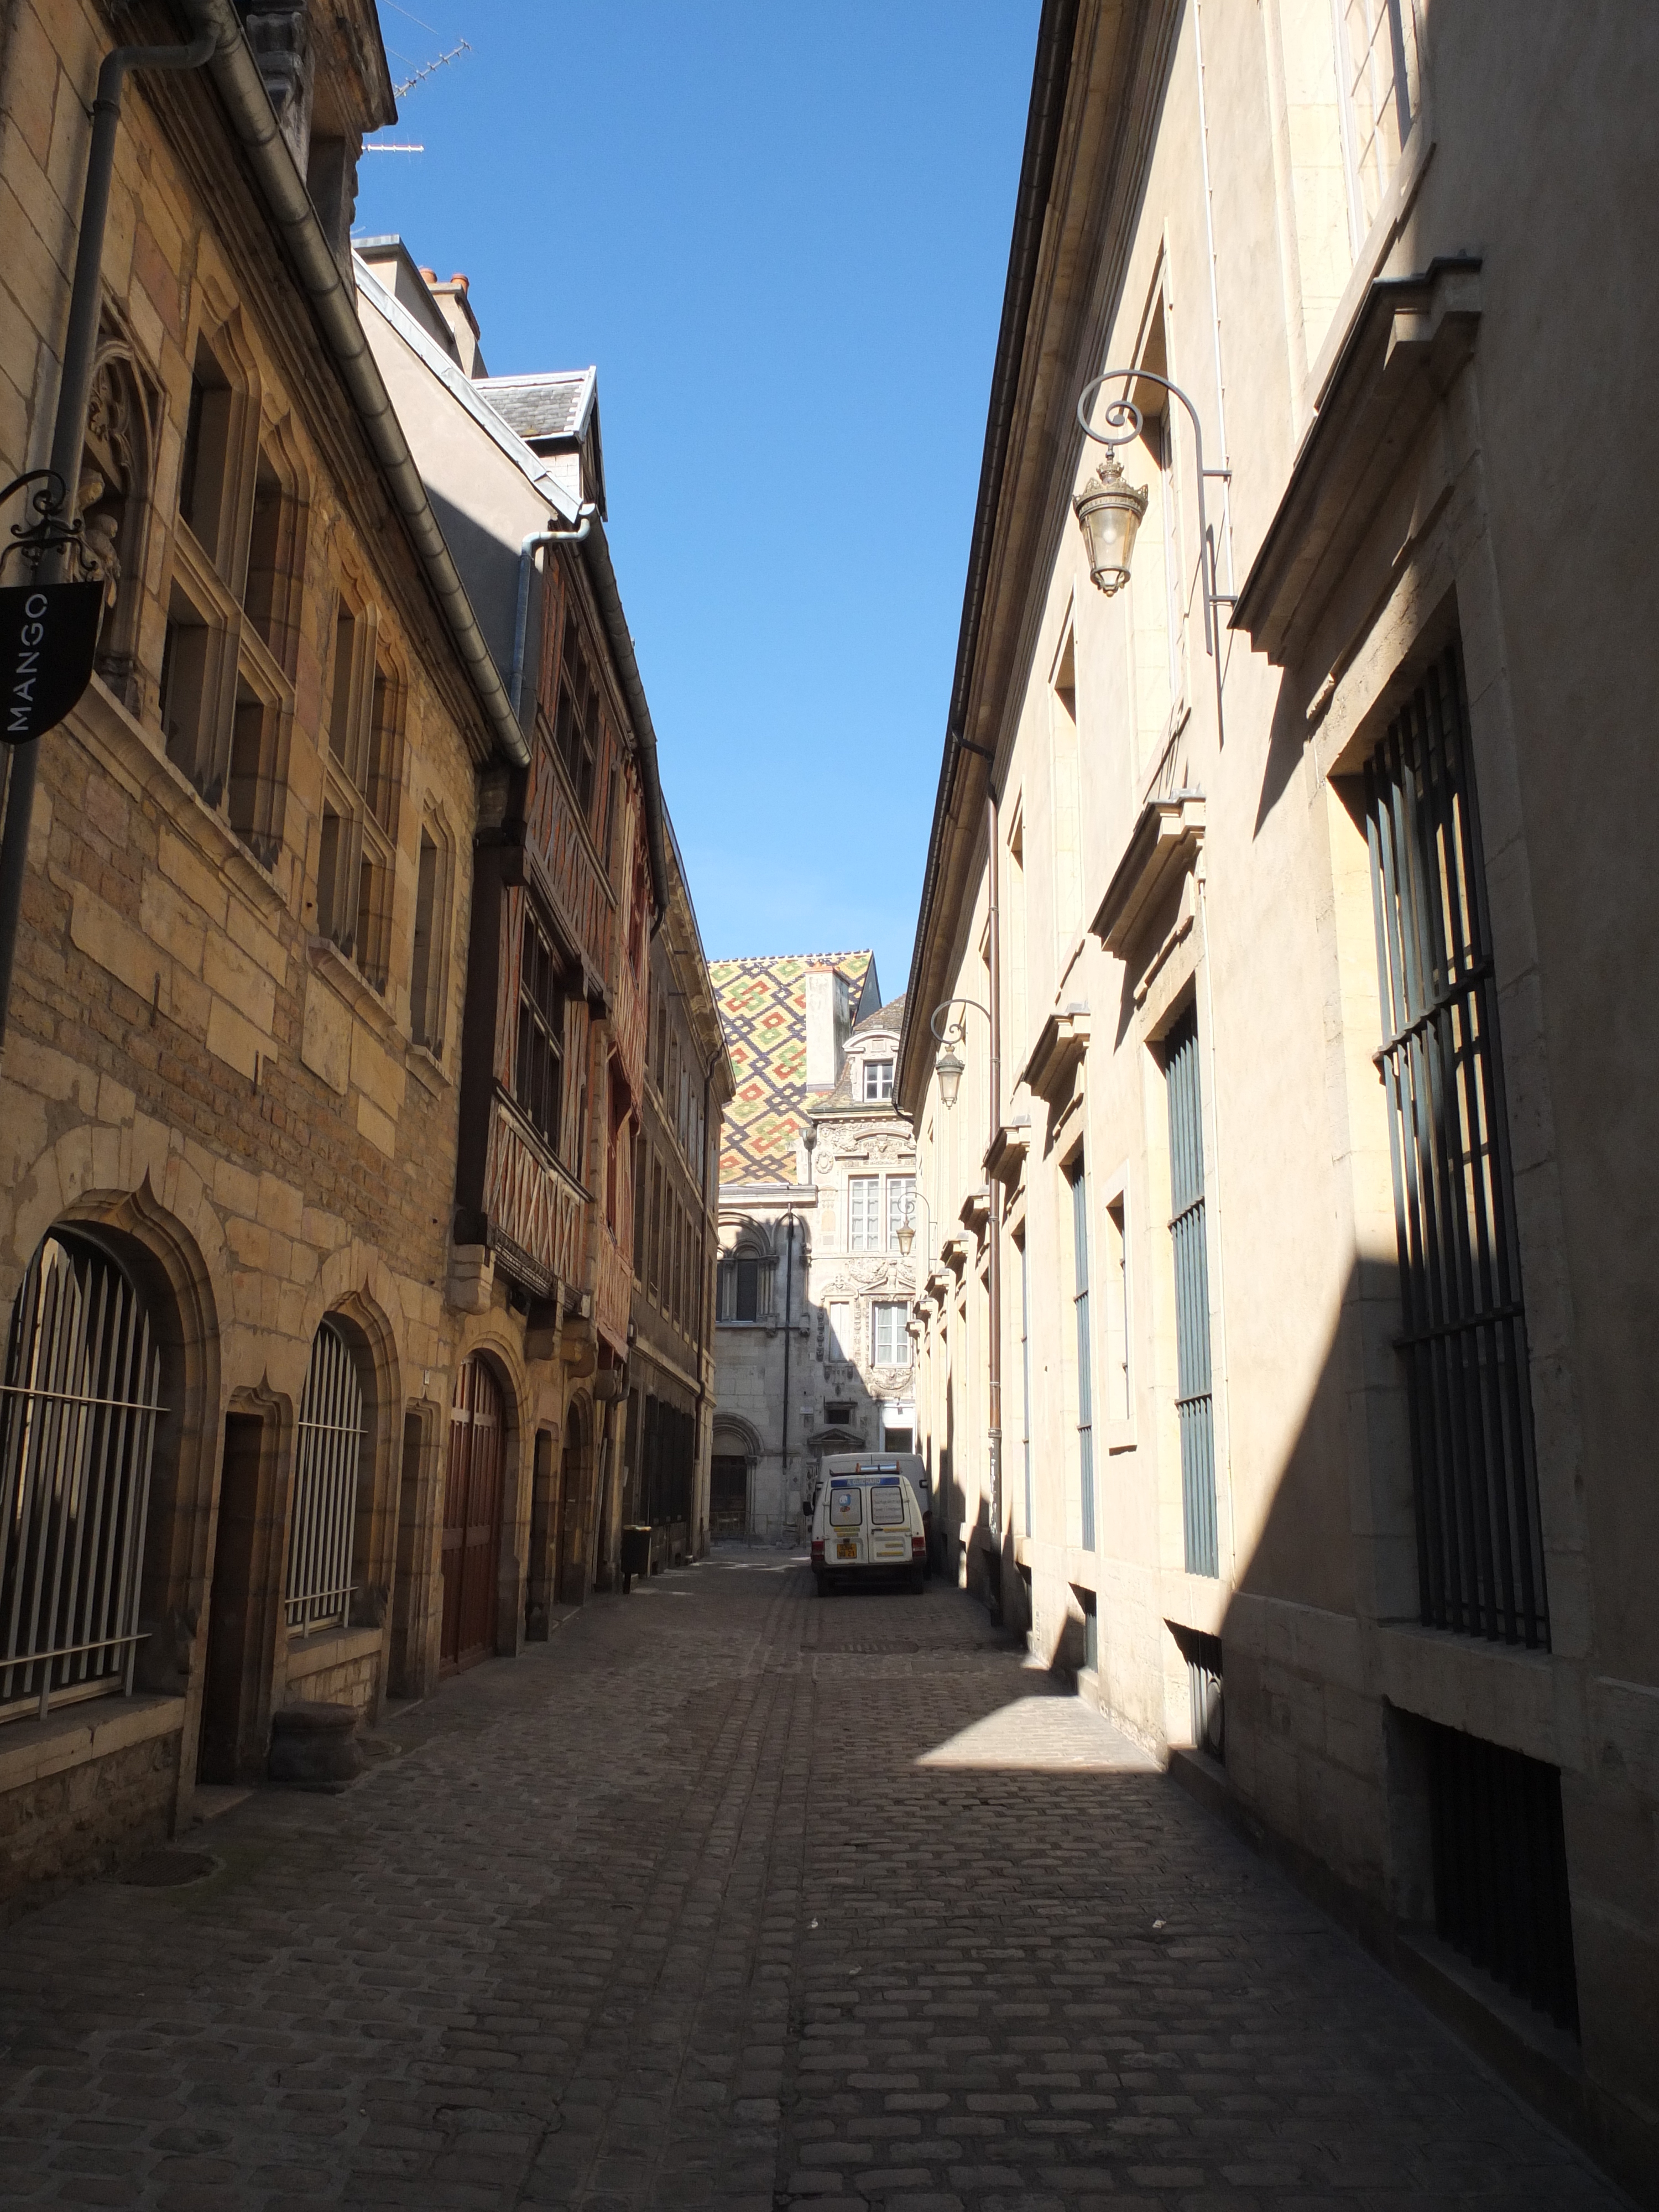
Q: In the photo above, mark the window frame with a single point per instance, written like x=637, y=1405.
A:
x=863, y=1216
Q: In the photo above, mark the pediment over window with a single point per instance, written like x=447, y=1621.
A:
x=1163, y=845
x=1408, y=341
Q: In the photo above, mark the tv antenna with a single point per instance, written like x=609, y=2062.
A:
x=431, y=68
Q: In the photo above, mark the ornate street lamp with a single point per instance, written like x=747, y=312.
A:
x=1110, y=510
x=948, y=1067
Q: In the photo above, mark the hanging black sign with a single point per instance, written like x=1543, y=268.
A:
x=48, y=634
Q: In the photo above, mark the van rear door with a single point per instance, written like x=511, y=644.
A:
x=890, y=1522
x=844, y=1535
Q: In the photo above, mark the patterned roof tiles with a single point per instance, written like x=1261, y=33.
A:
x=762, y=1005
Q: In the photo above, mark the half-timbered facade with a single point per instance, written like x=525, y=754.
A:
x=569, y=885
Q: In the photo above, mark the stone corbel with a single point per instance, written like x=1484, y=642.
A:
x=471, y=1277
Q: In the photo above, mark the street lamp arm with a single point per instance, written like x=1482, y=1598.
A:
x=1124, y=419
x=945, y=1007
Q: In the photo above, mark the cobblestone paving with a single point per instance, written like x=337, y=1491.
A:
x=730, y=1898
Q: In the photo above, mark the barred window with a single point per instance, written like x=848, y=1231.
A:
x=539, y=1062
x=77, y=1427
x=1463, y=1333
x=328, y=1453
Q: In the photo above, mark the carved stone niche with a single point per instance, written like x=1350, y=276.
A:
x=113, y=502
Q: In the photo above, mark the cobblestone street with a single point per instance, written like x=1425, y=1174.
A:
x=729, y=1897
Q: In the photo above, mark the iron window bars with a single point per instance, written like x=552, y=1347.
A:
x=77, y=1430
x=1085, y=1416
x=1481, y=1560
x=327, y=1455
x=1194, y=1405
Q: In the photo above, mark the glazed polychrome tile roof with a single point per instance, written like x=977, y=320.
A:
x=762, y=1005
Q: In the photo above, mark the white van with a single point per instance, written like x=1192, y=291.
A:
x=866, y=1521
x=911, y=1465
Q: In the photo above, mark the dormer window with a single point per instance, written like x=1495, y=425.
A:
x=877, y=1080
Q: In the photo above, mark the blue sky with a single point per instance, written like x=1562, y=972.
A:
x=781, y=232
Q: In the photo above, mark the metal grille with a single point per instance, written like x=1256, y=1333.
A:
x=1025, y=1372
x=1195, y=1409
x=1500, y=1867
x=1086, y=1415
x=326, y=1462
x=77, y=1428
x=1479, y=1555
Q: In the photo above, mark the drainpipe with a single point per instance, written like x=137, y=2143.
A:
x=527, y=552
x=69, y=426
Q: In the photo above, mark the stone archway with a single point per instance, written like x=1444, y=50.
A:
x=734, y=1455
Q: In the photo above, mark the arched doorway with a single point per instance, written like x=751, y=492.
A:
x=472, y=1518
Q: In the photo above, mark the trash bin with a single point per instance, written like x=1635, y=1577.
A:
x=636, y=1553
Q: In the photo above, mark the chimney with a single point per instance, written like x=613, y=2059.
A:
x=826, y=1025
x=452, y=304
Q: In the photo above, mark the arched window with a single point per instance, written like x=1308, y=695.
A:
x=77, y=1427
x=328, y=1453
x=746, y=1281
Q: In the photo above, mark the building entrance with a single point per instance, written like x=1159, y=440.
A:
x=472, y=1518
x=728, y=1495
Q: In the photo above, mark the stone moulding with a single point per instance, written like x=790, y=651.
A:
x=1408, y=342
x=1061, y=1042
x=1164, y=844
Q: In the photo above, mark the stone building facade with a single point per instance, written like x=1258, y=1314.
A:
x=817, y=1178
x=1315, y=1162
x=670, y=1362
x=229, y=1100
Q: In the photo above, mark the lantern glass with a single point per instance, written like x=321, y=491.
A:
x=907, y=1237
x=1109, y=510
x=948, y=1068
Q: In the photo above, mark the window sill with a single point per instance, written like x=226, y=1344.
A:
x=74, y=1736
x=428, y=1070
x=129, y=752
x=336, y=968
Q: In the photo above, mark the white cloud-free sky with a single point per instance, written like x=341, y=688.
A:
x=780, y=230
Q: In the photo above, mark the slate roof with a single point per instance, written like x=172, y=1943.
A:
x=549, y=405
x=762, y=1005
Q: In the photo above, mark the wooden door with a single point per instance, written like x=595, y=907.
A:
x=472, y=1518
x=728, y=1495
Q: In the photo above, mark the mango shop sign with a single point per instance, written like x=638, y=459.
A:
x=48, y=634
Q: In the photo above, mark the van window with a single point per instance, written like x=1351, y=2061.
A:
x=887, y=1506
x=844, y=1511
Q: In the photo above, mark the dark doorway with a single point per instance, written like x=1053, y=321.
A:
x=472, y=1518
x=230, y=1689
x=538, y=1584
x=728, y=1495
x=571, y=1576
